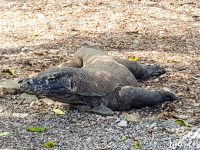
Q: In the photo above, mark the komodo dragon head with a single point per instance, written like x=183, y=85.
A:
x=54, y=84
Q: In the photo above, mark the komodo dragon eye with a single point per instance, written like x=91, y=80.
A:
x=29, y=82
x=51, y=77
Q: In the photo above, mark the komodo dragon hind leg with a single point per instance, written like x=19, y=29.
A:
x=101, y=110
x=141, y=71
x=135, y=97
x=72, y=62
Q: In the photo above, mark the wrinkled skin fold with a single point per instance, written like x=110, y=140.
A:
x=91, y=78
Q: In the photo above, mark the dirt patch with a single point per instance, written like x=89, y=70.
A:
x=36, y=35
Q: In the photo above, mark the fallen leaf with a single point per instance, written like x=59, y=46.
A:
x=123, y=138
x=10, y=71
x=182, y=122
x=132, y=32
x=36, y=129
x=58, y=111
x=172, y=61
x=70, y=45
x=134, y=59
x=137, y=145
x=49, y=144
x=4, y=133
x=35, y=34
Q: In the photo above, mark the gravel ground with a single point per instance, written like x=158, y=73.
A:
x=36, y=35
x=86, y=131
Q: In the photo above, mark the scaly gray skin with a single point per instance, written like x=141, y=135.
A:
x=92, y=81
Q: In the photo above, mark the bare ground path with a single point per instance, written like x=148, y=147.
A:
x=36, y=35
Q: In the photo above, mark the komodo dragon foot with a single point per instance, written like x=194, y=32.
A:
x=100, y=110
x=152, y=71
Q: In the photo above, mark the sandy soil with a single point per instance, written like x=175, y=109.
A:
x=36, y=35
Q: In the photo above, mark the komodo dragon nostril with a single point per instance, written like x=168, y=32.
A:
x=29, y=82
x=22, y=80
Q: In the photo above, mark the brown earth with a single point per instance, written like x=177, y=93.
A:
x=36, y=35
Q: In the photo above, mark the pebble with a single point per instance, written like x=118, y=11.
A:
x=133, y=117
x=122, y=123
x=20, y=115
x=28, y=97
x=8, y=87
x=1, y=109
x=47, y=101
x=182, y=116
x=166, y=89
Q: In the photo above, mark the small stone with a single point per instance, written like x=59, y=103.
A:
x=47, y=101
x=1, y=110
x=153, y=126
x=148, y=87
x=162, y=76
x=196, y=104
x=89, y=140
x=133, y=117
x=9, y=87
x=182, y=116
x=166, y=89
x=122, y=123
x=28, y=97
x=20, y=115
x=40, y=16
x=34, y=103
x=180, y=94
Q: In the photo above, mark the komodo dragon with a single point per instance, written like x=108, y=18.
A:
x=95, y=82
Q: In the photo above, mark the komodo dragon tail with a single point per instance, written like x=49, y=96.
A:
x=134, y=97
